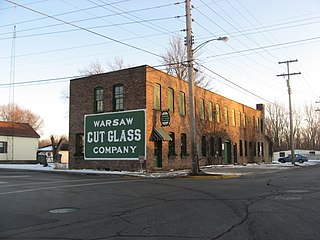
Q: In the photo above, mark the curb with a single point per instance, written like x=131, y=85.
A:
x=213, y=176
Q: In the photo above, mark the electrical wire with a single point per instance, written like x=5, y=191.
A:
x=60, y=14
x=84, y=29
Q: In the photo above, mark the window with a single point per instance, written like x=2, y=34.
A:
x=98, y=99
x=217, y=113
x=171, y=99
x=118, y=98
x=220, y=147
x=211, y=146
x=262, y=150
x=201, y=107
x=244, y=120
x=226, y=117
x=172, y=145
x=239, y=119
x=203, y=146
x=257, y=124
x=3, y=147
x=183, y=145
x=245, y=148
x=233, y=117
x=240, y=146
x=157, y=97
x=259, y=149
x=255, y=148
x=79, y=143
x=261, y=125
x=210, y=113
x=182, y=104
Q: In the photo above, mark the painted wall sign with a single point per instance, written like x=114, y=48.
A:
x=165, y=118
x=115, y=136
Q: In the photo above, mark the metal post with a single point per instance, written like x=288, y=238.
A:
x=193, y=151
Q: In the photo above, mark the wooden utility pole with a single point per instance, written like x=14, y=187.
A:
x=290, y=104
x=192, y=120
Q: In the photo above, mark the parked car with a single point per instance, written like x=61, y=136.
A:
x=298, y=158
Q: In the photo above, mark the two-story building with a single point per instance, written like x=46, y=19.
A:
x=115, y=121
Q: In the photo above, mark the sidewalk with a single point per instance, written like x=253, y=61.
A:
x=210, y=171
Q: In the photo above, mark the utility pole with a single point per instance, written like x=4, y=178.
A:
x=290, y=104
x=192, y=124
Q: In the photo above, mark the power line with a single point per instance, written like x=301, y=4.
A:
x=268, y=46
x=237, y=85
x=61, y=14
x=84, y=29
x=73, y=30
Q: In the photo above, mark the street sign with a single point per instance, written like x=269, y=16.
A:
x=115, y=135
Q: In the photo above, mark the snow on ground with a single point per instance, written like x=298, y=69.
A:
x=223, y=169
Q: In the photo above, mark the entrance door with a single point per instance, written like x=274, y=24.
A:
x=157, y=154
x=227, y=151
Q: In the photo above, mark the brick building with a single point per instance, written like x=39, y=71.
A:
x=226, y=131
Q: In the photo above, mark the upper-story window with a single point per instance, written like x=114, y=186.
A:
x=182, y=103
x=226, y=117
x=238, y=119
x=118, y=98
x=210, y=112
x=157, y=96
x=98, y=99
x=217, y=113
x=171, y=99
x=201, y=105
x=244, y=120
x=233, y=117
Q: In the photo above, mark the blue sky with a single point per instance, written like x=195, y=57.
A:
x=261, y=33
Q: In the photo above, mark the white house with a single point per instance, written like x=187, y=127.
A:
x=18, y=143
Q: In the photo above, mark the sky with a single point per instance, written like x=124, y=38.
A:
x=44, y=44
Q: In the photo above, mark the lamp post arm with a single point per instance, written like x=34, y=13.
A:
x=225, y=39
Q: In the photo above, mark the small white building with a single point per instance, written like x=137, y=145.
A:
x=47, y=150
x=310, y=154
x=18, y=143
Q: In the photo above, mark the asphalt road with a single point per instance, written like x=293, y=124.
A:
x=276, y=205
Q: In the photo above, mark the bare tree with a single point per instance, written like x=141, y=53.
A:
x=93, y=68
x=312, y=124
x=14, y=113
x=56, y=145
x=274, y=123
x=175, y=60
x=96, y=67
x=117, y=64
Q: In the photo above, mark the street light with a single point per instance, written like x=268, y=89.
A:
x=224, y=39
x=190, y=59
x=193, y=151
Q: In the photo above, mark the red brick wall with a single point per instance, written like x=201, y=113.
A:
x=139, y=86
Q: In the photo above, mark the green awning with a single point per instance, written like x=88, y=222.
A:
x=159, y=134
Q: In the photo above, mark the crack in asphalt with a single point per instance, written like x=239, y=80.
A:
x=244, y=219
